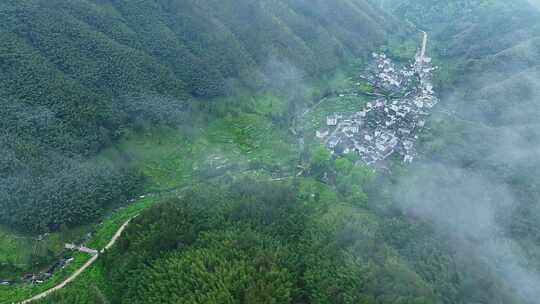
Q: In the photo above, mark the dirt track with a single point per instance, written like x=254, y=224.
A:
x=82, y=269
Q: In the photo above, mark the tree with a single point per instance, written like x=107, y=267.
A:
x=321, y=162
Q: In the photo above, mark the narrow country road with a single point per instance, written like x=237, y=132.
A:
x=83, y=268
x=120, y=230
x=118, y=234
x=424, y=45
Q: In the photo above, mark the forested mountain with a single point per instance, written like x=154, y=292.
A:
x=244, y=207
x=76, y=75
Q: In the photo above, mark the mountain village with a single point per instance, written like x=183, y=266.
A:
x=390, y=123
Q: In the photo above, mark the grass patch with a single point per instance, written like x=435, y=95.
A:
x=316, y=118
x=166, y=157
x=106, y=230
x=251, y=137
x=15, y=250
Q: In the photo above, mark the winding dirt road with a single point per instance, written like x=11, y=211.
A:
x=83, y=268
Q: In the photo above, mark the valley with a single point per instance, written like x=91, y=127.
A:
x=269, y=152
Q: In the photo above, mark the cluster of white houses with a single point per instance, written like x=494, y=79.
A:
x=391, y=123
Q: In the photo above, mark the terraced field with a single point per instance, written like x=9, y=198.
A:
x=348, y=104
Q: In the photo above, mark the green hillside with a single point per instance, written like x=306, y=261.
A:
x=202, y=115
x=78, y=75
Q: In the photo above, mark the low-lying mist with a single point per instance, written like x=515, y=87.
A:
x=478, y=183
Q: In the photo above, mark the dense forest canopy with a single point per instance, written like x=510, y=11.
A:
x=76, y=76
x=267, y=215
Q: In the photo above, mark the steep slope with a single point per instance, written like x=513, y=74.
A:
x=76, y=75
x=459, y=227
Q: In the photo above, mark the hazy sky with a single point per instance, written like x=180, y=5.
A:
x=535, y=3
